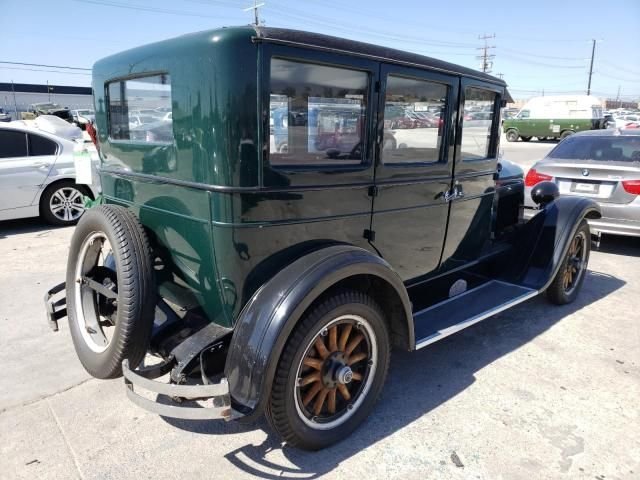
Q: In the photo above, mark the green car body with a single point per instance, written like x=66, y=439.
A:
x=224, y=247
x=547, y=128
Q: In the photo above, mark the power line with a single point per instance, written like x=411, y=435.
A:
x=533, y=62
x=150, y=9
x=42, y=65
x=43, y=70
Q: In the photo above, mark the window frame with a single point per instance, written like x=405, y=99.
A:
x=445, y=114
x=107, y=98
x=494, y=131
x=319, y=58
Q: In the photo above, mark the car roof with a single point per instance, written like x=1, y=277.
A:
x=26, y=128
x=607, y=132
x=327, y=42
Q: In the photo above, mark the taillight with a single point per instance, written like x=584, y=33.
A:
x=631, y=186
x=91, y=130
x=533, y=177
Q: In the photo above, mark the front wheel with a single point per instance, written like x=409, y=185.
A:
x=567, y=282
x=331, y=371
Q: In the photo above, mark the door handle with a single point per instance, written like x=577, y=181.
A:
x=41, y=165
x=455, y=192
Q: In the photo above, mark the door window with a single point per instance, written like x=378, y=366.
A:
x=414, y=112
x=39, y=145
x=12, y=144
x=477, y=123
x=317, y=114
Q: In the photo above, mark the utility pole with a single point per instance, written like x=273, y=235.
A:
x=618, y=97
x=486, y=58
x=593, y=54
x=256, y=5
x=500, y=75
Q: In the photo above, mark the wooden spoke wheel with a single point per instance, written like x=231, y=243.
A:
x=565, y=286
x=331, y=371
x=574, y=266
x=336, y=371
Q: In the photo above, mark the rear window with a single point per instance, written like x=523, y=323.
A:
x=41, y=146
x=128, y=98
x=613, y=149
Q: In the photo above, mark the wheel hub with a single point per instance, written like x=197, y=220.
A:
x=335, y=371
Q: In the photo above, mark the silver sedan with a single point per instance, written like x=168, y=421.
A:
x=600, y=164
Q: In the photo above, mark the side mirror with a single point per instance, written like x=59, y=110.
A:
x=544, y=193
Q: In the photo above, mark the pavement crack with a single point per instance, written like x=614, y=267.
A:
x=66, y=440
x=44, y=397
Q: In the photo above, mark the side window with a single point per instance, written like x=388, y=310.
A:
x=317, y=114
x=147, y=98
x=414, y=113
x=41, y=146
x=479, y=108
x=12, y=144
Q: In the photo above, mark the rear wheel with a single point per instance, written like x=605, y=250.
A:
x=62, y=202
x=110, y=290
x=512, y=135
x=331, y=371
x=566, y=285
x=565, y=134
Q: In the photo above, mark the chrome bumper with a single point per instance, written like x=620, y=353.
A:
x=216, y=394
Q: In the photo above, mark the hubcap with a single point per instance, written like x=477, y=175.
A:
x=66, y=204
x=575, y=265
x=96, y=292
x=336, y=372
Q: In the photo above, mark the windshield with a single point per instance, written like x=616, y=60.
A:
x=610, y=148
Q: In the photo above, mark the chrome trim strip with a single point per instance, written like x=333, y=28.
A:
x=473, y=320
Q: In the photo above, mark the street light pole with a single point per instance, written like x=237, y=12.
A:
x=593, y=54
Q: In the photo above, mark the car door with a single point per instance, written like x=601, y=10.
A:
x=413, y=170
x=21, y=174
x=473, y=189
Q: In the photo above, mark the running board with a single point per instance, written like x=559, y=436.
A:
x=468, y=308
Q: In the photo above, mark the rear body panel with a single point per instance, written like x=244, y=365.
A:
x=549, y=127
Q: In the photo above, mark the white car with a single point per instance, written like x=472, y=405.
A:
x=37, y=176
x=624, y=120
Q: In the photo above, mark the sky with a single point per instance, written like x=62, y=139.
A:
x=541, y=46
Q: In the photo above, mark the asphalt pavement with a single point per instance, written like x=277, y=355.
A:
x=536, y=392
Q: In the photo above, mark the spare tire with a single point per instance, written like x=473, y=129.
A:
x=110, y=290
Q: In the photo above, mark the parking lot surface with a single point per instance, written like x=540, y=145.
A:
x=538, y=391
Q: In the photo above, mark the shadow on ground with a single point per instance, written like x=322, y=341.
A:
x=619, y=245
x=418, y=382
x=9, y=228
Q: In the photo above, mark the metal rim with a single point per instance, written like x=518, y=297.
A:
x=66, y=204
x=95, y=291
x=575, y=265
x=336, y=372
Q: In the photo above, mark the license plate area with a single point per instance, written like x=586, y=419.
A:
x=591, y=188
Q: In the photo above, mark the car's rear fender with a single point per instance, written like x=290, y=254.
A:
x=269, y=317
x=542, y=243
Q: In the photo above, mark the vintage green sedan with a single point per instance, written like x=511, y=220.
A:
x=268, y=235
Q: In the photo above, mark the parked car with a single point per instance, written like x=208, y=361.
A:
x=83, y=116
x=47, y=108
x=554, y=116
x=37, y=176
x=623, y=121
x=4, y=116
x=603, y=165
x=276, y=283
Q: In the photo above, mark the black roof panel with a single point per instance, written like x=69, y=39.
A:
x=326, y=42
